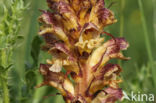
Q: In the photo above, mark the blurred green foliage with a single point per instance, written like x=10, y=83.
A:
x=10, y=25
x=137, y=73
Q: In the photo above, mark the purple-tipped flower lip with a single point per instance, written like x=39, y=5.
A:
x=123, y=43
x=64, y=49
x=120, y=42
x=115, y=94
x=109, y=67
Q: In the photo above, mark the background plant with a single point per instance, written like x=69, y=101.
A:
x=9, y=39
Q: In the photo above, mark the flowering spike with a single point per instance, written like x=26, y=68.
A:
x=72, y=35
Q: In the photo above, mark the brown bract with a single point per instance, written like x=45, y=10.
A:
x=72, y=32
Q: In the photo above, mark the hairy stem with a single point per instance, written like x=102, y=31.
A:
x=4, y=58
x=5, y=91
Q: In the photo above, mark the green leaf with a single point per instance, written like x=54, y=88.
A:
x=2, y=69
x=8, y=67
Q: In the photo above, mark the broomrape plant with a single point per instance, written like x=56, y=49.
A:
x=72, y=31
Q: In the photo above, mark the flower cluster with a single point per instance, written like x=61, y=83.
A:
x=72, y=31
